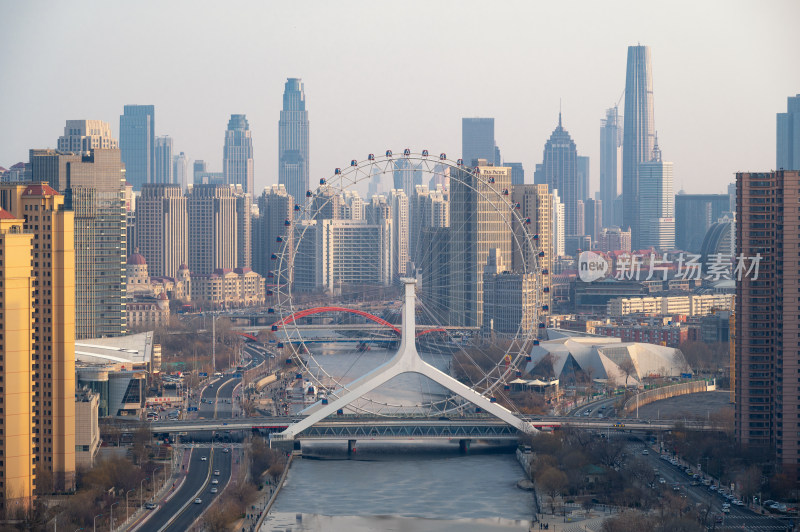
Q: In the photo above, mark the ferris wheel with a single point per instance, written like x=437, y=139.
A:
x=346, y=253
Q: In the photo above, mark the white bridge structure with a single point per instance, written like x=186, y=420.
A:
x=407, y=360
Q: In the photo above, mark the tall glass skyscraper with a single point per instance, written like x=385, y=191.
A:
x=788, y=149
x=293, y=161
x=477, y=141
x=137, y=141
x=639, y=133
x=560, y=168
x=237, y=159
x=610, y=163
x=163, y=160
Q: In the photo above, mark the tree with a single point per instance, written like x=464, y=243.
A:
x=553, y=482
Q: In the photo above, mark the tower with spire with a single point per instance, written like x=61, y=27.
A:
x=560, y=170
x=656, y=221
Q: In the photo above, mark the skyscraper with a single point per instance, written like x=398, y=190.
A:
x=656, y=203
x=162, y=226
x=293, y=146
x=81, y=136
x=400, y=228
x=137, y=140
x=53, y=330
x=163, y=160
x=517, y=173
x=638, y=135
x=593, y=218
x=93, y=188
x=610, y=162
x=198, y=169
x=560, y=167
x=237, y=158
x=559, y=236
x=479, y=221
x=767, y=411
x=244, y=237
x=477, y=141
x=788, y=149
x=212, y=228
x=584, y=186
x=694, y=215
x=180, y=170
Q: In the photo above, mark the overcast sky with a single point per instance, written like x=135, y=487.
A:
x=390, y=75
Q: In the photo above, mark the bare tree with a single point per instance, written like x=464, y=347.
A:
x=553, y=482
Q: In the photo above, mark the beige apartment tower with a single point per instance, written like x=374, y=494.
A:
x=16, y=359
x=52, y=265
x=533, y=233
x=162, y=225
x=767, y=343
x=213, y=228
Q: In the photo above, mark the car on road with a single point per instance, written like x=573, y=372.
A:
x=150, y=506
x=214, y=490
x=215, y=481
x=662, y=480
x=726, y=509
x=198, y=501
x=645, y=452
x=216, y=472
x=738, y=502
x=204, y=458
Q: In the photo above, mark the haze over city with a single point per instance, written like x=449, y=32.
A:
x=378, y=79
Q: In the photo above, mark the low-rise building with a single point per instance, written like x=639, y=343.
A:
x=666, y=335
x=148, y=312
x=87, y=428
x=689, y=305
x=226, y=288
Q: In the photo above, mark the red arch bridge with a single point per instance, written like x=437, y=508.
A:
x=378, y=321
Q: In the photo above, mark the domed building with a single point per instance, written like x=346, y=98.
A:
x=138, y=279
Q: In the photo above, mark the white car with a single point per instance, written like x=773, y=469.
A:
x=215, y=481
x=645, y=452
x=204, y=458
x=216, y=472
x=214, y=490
x=198, y=501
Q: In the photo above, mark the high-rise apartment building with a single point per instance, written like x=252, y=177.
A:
x=81, y=136
x=560, y=167
x=535, y=218
x=480, y=220
x=49, y=343
x=610, y=162
x=244, y=228
x=559, y=236
x=656, y=203
x=180, y=170
x=237, y=158
x=614, y=239
x=213, y=228
x=694, y=215
x=767, y=346
x=509, y=300
x=162, y=226
x=293, y=146
x=788, y=147
x=428, y=208
x=406, y=175
x=137, y=140
x=400, y=230
x=275, y=220
x=477, y=140
x=93, y=185
x=163, y=154
x=639, y=133
x=16, y=347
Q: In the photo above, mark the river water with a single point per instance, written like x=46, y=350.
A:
x=409, y=486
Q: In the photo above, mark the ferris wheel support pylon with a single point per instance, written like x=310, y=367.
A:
x=406, y=360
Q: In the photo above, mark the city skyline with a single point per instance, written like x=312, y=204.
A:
x=353, y=119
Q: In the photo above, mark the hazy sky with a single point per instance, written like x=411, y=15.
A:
x=390, y=75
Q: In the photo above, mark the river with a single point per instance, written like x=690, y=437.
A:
x=409, y=486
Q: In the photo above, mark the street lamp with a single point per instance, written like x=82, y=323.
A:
x=94, y=523
x=154, y=479
x=126, y=503
x=111, y=518
x=141, y=492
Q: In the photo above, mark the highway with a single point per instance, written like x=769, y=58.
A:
x=200, y=481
